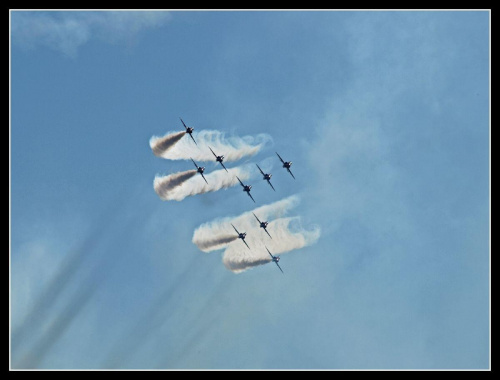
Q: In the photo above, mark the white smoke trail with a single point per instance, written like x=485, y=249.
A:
x=233, y=148
x=218, y=179
x=287, y=234
x=161, y=145
x=217, y=242
x=219, y=228
x=165, y=185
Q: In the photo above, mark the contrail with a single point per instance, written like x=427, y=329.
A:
x=233, y=148
x=215, y=235
x=218, y=179
x=161, y=145
x=165, y=185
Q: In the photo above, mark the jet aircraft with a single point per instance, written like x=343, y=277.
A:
x=189, y=130
x=200, y=170
x=275, y=259
x=246, y=188
x=263, y=225
x=241, y=235
x=218, y=158
x=286, y=165
x=267, y=177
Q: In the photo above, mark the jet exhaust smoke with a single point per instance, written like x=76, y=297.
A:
x=164, y=186
x=219, y=242
x=212, y=235
x=233, y=148
x=287, y=232
x=161, y=145
x=218, y=179
x=289, y=236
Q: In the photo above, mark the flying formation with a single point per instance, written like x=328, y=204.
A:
x=246, y=188
x=286, y=164
x=267, y=177
x=241, y=235
x=200, y=170
x=263, y=225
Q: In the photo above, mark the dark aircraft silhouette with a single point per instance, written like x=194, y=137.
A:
x=246, y=188
x=275, y=259
x=262, y=225
x=200, y=170
x=218, y=158
x=267, y=177
x=189, y=130
x=286, y=165
x=241, y=235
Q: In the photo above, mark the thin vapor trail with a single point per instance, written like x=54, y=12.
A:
x=218, y=179
x=233, y=147
x=161, y=145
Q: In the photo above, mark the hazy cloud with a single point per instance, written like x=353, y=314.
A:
x=66, y=32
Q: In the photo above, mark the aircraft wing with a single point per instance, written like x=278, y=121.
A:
x=260, y=169
x=204, y=178
x=270, y=254
x=193, y=138
x=184, y=124
x=256, y=217
x=235, y=229
x=212, y=152
x=289, y=171
x=194, y=163
x=270, y=184
x=250, y=195
x=223, y=166
x=245, y=243
x=268, y=233
x=280, y=158
x=241, y=183
x=280, y=268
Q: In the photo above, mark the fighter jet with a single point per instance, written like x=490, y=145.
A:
x=267, y=177
x=189, y=130
x=286, y=165
x=218, y=158
x=275, y=259
x=262, y=225
x=241, y=235
x=246, y=188
x=200, y=169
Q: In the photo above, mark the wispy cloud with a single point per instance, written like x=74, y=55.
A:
x=66, y=32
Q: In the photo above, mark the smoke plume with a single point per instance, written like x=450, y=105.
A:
x=165, y=186
x=290, y=235
x=287, y=232
x=233, y=148
x=161, y=145
x=169, y=188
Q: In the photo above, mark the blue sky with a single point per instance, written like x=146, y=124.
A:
x=385, y=116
